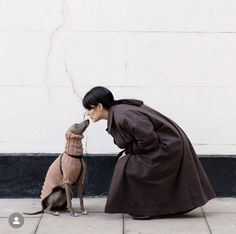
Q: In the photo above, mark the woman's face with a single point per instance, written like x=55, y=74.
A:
x=97, y=113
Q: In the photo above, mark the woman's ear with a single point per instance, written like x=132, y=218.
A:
x=100, y=106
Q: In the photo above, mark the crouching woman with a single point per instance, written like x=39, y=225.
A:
x=157, y=172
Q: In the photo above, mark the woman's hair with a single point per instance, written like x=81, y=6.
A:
x=97, y=95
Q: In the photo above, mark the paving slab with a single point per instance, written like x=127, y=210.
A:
x=193, y=222
x=221, y=223
x=9, y=206
x=29, y=226
x=93, y=223
x=218, y=216
x=92, y=204
x=220, y=205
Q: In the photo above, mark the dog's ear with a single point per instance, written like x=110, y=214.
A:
x=71, y=135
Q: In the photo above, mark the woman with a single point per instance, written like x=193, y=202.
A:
x=158, y=172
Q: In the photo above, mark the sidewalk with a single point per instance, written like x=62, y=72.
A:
x=218, y=216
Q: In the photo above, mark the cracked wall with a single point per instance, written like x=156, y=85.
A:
x=178, y=56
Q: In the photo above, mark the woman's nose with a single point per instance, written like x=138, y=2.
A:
x=86, y=114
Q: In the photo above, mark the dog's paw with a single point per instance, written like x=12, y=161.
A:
x=56, y=213
x=74, y=214
x=84, y=212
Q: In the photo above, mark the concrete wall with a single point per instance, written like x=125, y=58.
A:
x=176, y=55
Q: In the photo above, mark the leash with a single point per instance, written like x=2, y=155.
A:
x=81, y=171
x=81, y=162
x=76, y=157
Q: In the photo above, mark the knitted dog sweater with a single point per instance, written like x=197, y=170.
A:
x=66, y=169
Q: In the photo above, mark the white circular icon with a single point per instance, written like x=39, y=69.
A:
x=16, y=220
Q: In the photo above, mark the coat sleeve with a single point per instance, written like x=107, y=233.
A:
x=145, y=138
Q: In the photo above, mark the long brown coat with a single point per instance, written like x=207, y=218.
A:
x=163, y=175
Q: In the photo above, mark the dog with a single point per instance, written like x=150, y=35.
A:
x=67, y=170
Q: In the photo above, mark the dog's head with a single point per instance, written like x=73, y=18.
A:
x=74, y=136
x=79, y=128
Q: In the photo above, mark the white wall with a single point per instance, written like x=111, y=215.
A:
x=179, y=56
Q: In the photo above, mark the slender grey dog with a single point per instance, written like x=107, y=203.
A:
x=67, y=170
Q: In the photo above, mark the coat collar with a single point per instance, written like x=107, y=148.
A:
x=133, y=102
x=110, y=119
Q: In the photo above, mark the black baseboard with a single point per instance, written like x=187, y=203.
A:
x=22, y=175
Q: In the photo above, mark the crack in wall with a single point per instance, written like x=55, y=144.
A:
x=52, y=38
x=65, y=13
x=70, y=76
x=79, y=98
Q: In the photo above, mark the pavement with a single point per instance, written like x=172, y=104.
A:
x=218, y=216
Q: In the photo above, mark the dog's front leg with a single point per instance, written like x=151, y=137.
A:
x=80, y=189
x=69, y=198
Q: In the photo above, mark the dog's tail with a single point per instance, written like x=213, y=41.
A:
x=35, y=213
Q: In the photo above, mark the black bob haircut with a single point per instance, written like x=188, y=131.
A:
x=97, y=95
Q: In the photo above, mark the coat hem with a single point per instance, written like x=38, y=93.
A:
x=169, y=211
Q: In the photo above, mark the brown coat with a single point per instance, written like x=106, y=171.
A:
x=163, y=175
x=69, y=166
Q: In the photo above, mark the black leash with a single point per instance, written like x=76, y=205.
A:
x=81, y=162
